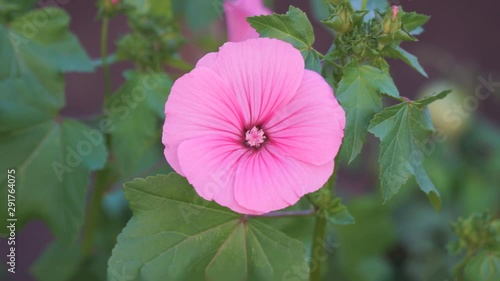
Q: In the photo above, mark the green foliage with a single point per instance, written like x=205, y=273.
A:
x=483, y=267
x=57, y=263
x=134, y=113
x=330, y=206
x=54, y=158
x=408, y=58
x=34, y=56
x=479, y=236
x=413, y=22
x=403, y=130
x=359, y=94
x=196, y=239
x=293, y=27
x=54, y=161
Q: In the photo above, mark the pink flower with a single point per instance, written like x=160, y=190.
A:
x=250, y=128
x=237, y=11
x=114, y=2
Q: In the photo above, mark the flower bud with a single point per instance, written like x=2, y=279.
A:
x=340, y=18
x=391, y=21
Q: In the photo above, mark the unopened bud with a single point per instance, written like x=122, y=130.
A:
x=340, y=18
x=395, y=10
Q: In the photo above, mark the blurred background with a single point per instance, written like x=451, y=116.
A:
x=401, y=240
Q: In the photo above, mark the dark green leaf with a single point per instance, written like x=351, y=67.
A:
x=176, y=235
x=403, y=130
x=359, y=94
x=134, y=114
x=293, y=27
x=408, y=58
x=35, y=49
x=312, y=60
x=53, y=163
x=58, y=262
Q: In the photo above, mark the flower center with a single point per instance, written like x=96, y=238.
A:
x=254, y=137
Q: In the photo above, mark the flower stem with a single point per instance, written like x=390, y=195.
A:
x=363, y=5
x=104, y=178
x=104, y=56
x=318, y=248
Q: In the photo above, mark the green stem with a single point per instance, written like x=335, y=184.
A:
x=104, y=56
x=103, y=180
x=318, y=250
x=287, y=214
x=363, y=5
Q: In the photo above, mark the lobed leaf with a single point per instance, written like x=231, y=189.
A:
x=403, y=129
x=359, y=95
x=176, y=235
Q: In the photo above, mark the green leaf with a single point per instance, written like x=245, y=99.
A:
x=403, y=130
x=312, y=60
x=58, y=262
x=176, y=235
x=359, y=94
x=483, y=267
x=34, y=50
x=134, y=114
x=413, y=21
x=53, y=163
x=293, y=27
x=408, y=58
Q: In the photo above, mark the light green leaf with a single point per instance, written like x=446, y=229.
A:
x=483, y=267
x=135, y=112
x=176, y=235
x=359, y=95
x=293, y=27
x=403, y=130
x=413, y=21
x=53, y=162
x=408, y=58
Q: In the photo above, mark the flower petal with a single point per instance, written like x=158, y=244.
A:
x=267, y=181
x=237, y=11
x=207, y=60
x=311, y=127
x=199, y=104
x=209, y=164
x=263, y=73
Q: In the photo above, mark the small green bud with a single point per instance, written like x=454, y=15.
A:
x=357, y=17
x=340, y=18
